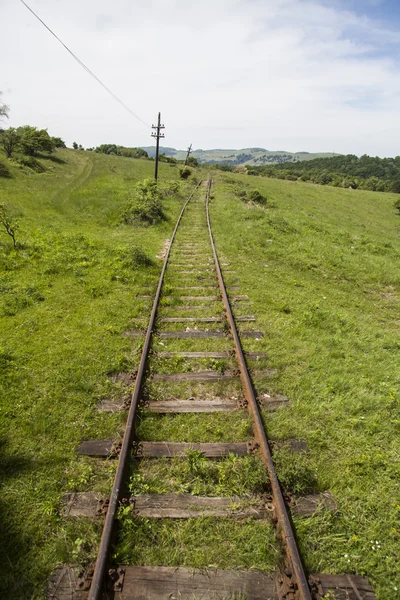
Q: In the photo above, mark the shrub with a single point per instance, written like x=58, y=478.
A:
x=240, y=193
x=396, y=186
x=169, y=188
x=4, y=172
x=257, y=197
x=144, y=203
x=185, y=172
x=8, y=224
x=138, y=258
x=31, y=163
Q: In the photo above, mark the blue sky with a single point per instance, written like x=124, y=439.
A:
x=385, y=10
x=315, y=75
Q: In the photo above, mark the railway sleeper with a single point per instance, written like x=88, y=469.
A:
x=158, y=583
x=110, y=448
x=186, y=506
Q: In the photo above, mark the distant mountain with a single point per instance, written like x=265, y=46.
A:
x=245, y=156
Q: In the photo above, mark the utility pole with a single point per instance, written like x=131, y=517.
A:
x=157, y=134
x=187, y=155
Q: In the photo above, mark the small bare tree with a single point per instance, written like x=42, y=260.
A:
x=9, y=224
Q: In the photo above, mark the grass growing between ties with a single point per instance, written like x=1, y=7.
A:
x=68, y=293
x=199, y=543
x=214, y=427
x=320, y=266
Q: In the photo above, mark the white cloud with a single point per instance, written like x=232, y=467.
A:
x=282, y=74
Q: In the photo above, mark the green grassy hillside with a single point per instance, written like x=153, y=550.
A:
x=321, y=267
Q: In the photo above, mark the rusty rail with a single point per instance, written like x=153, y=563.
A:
x=292, y=552
x=96, y=590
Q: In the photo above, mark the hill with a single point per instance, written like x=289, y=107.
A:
x=366, y=172
x=245, y=156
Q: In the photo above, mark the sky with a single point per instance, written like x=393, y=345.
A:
x=296, y=75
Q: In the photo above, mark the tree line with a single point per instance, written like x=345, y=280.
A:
x=348, y=171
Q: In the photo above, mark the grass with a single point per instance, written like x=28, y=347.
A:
x=321, y=269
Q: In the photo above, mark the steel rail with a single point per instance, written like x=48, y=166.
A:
x=96, y=588
x=290, y=544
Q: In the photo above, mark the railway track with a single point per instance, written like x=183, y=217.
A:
x=192, y=323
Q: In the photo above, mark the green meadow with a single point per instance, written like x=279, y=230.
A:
x=320, y=267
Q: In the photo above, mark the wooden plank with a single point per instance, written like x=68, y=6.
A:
x=195, y=376
x=192, y=319
x=192, y=406
x=344, y=587
x=80, y=504
x=195, y=287
x=124, y=377
x=87, y=505
x=225, y=354
x=63, y=585
x=187, y=307
x=210, y=450
x=245, y=318
x=161, y=583
x=289, y=444
x=205, y=334
x=134, y=334
x=251, y=334
x=272, y=403
x=191, y=334
x=308, y=506
x=100, y=448
x=209, y=298
x=111, y=405
x=186, y=506
x=184, y=265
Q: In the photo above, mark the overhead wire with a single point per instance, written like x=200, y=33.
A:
x=82, y=64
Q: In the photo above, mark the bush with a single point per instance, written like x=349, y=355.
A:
x=4, y=172
x=169, y=188
x=185, y=172
x=240, y=193
x=396, y=186
x=144, y=204
x=257, y=197
x=31, y=163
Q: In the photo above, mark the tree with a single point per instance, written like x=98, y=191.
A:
x=4, y=110
x=35, y=140
x=9, y=139
x=75, y=146
x=396, y=186
x=185, y=172
x=58, y=142
x=192, y=162
x=9, y=224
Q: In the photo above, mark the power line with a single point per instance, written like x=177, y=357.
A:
x=85, y=67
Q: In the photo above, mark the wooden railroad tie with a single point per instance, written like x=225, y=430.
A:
x=186, y=506
x=159, y=583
